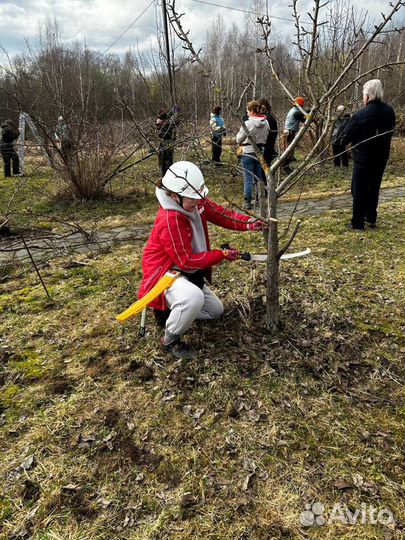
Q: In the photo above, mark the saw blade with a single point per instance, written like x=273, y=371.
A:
x=303, y=253
x=262, y=257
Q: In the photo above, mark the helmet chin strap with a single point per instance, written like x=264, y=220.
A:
x=179, y=199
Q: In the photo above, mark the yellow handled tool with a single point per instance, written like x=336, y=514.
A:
x=164, y=283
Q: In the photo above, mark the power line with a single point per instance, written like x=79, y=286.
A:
x=272, y=16
x=129, y=27
x=247, y=11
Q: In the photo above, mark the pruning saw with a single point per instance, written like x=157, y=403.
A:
x=170, y=277
x=262, y=257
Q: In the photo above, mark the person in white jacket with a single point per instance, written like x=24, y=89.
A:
x=259, y=129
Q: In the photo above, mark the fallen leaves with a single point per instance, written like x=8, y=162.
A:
x=194, y=413
x=28, y=463
x=70, y=488
x=342, y=483
x=358, y=482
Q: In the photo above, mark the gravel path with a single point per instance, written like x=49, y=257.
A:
x=336, y=202
x=42, y=249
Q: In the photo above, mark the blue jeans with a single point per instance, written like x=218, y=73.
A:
x=252, y=173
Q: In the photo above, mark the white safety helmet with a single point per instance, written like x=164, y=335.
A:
x=185, y=179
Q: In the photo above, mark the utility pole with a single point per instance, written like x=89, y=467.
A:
x=167, y=43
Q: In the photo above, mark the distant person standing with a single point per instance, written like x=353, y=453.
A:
x=63, y=138
x=291, y=127
x=369, y=131
x=217, y=125
x=8, y=135
x=166, y=126
x=340, y=155
x=269, y=152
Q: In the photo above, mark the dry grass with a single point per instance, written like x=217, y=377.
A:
x=130, y=444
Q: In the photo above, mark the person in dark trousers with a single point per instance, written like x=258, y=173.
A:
x=292, y=125
x=8, y=135
x=217, y=125
x=166, y=126
x=369, y=131
x=340, y=155
x=269, y=152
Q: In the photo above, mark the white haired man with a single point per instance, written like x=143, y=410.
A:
x=369, y=131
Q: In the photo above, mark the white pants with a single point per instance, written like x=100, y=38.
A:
x=188, y=302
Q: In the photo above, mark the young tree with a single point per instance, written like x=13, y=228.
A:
x=330, y=65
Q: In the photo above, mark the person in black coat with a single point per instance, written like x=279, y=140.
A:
x=269, y=152
x=8, y=135
x=340, y=155
x=166, y=127
x=369, y=131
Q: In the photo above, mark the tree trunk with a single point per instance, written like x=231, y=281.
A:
x=272, y=290
x=263, y=206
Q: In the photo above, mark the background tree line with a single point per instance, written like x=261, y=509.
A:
x=90, y=88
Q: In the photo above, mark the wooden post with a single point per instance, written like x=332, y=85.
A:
x=36, y=268
x=21, y=141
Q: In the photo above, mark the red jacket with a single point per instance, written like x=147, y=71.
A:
x=170, y=244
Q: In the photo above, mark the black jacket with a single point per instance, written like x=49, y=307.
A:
x=338, y=128
x=8, y=134
x=269, y=151
x=374, y=119
x=167, y=127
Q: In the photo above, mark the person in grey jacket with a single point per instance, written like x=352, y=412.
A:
x=259, y=129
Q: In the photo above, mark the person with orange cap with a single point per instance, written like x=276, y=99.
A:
x=292, y=124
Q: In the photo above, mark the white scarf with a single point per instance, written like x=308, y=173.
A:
x=198, y=240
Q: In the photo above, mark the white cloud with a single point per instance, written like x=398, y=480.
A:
x=100, y=22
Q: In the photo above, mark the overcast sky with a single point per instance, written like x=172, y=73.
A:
x=100, y=22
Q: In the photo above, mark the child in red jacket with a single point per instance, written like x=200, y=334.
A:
x=179, y=241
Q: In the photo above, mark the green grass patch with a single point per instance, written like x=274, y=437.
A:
x=233, y=444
